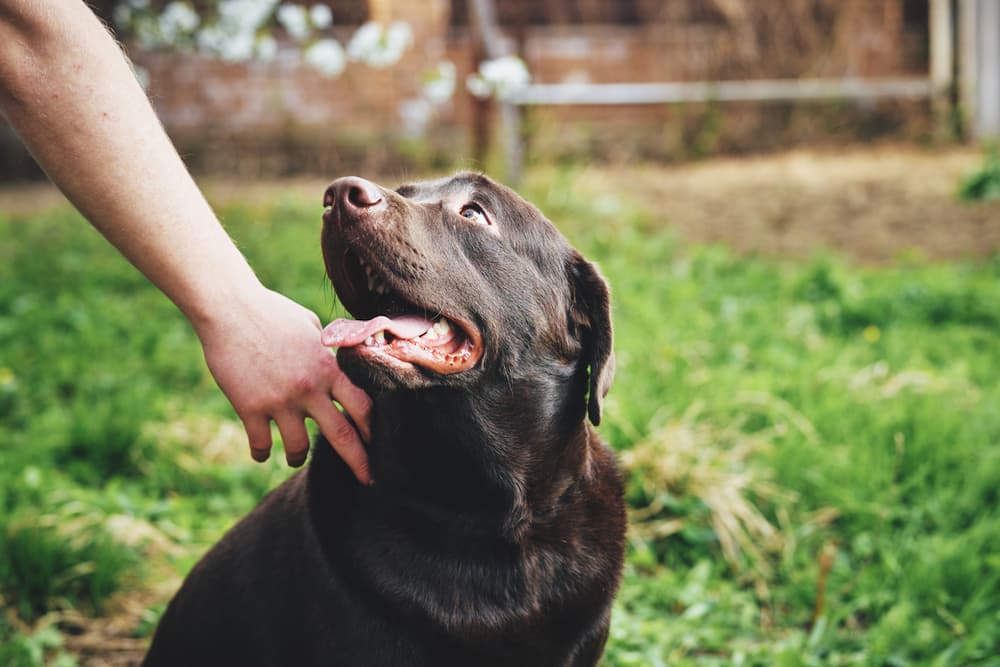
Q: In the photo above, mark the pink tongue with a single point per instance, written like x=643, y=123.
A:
x=347, y=333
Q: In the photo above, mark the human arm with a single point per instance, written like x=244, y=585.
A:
x=71, y=96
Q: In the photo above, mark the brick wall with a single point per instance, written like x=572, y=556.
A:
x=282, y=116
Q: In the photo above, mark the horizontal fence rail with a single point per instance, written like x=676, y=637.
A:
x=722, y=91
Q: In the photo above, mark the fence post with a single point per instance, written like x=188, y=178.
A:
x=988, y=74
x=483, y=14
x=942, y=63
x=968, y=69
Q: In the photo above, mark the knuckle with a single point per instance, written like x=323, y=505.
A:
x=258, y=406
x=303, y=385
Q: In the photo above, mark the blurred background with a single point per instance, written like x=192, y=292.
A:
x=797, y=205
x=253, y=91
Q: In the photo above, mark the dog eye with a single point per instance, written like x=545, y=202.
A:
x=474, y=213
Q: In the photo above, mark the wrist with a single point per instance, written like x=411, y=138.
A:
x=220, y=292
x=224, y=305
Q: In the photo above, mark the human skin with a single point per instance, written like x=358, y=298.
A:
x=71, y=95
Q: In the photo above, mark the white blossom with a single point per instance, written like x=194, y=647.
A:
x=321, y=17
x=147, y=32
x=176, y=20
x=233, y=36
x=501, y=77
x=230, y=46
x=366, y=39
x=439, y=83
x=327, y=56
x=477, y=85
x=245, y=15
x=238, y=48
x=415, y=115
x=210, y=39
x=237, y=30
x=266, y=48
x=295, y=20
x=379, y=46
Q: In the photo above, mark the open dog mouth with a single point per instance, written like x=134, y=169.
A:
x=391, y=327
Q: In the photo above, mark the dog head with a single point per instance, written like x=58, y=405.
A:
x=456, y=282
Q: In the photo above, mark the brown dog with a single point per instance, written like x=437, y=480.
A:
x=494, y=532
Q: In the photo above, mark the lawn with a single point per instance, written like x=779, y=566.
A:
x=812, y=447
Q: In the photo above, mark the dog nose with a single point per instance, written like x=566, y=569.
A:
x=352, y=195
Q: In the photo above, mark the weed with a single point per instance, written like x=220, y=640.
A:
x=42, y=647
x=48, y=563
x=696, y=482
x=984, y=183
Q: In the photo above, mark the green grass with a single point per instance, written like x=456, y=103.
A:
x=984, y=183
x=786, y=426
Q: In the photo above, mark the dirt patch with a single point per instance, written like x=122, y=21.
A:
x=872, y=205
x=108, y=640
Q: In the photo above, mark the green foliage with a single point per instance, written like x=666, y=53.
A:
x=39, y=564
x=984, y=183
x=785, y=425
x=41, y=648
x=95, y=366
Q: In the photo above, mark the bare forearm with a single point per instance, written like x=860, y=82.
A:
x=71, y=96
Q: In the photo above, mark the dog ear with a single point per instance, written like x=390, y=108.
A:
x=590, y=314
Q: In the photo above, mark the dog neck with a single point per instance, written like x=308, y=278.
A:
x=485, y=459
x=467, y=483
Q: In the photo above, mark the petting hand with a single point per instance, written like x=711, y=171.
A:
x=75, y=102
x=268, y=360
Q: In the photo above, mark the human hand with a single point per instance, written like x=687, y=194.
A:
x=268, y=360
x=88, y=123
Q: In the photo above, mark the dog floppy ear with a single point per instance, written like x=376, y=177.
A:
x=590, y=314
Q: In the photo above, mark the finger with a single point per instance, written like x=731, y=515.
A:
x=344, y=439
x=295, y=438
x=259, y=434
x=355, y=401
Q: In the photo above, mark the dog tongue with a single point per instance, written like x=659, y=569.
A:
x=347, y=333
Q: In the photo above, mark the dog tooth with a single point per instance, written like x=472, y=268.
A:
x=380, y=338
x=369, y=341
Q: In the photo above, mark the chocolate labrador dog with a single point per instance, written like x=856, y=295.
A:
x=494, y=532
